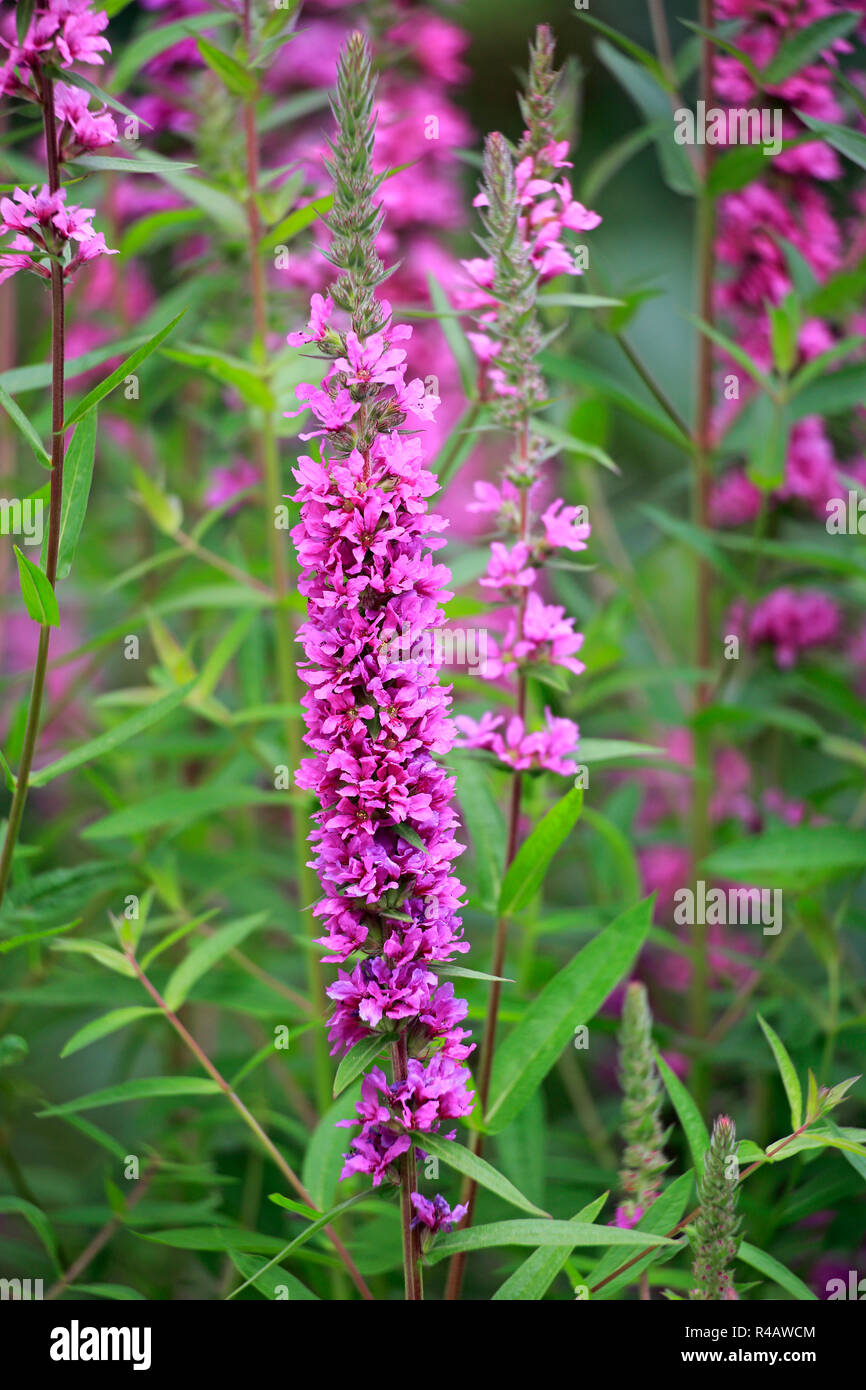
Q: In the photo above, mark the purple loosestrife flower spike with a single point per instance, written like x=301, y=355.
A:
x=376, y=713
x=525, y=216
x=716, y=1228
x=643, y=1160
x=538, y=102
x=355, y=219
x=521, y=388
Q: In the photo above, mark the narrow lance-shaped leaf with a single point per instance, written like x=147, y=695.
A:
x=790, y=1080
x=688, y=1114
x=527, y=870
x=120, y=374
x=571, y=998
x=540, y=1233
x=471, y=1166
x=112, y=738
x=39, y=598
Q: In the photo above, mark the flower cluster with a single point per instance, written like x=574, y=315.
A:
x=524, y=215
x=716, y=1227
x=385, y=834
x=60, y=32
x=643, y=1160
x=788, y=207
x=791, y=621
x=418, y=128
x=45, y=228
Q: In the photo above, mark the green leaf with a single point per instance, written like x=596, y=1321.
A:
x=153, y=41
x=296, y=221
x=531, y=1280
x=96, y=950
x=17, y=1206
x=571, y=998
x=592, y=377
x=118, y=1292
x=745, y=360
x=224, y=209
x=642, y=55
x=613, y=750
x=112, y=738
x=138, y=1088
x=180, y=806
x=456, y=339
x=101, y=1027
x=148, y=233
x=410, y=835
x=766, y=467
x=483, y=818
x=795, y=858
x=205, y=955
x=223, y=1238
x=790, y=1080
x=13, y=1049
x=305, y=1235
x=357, y=1060
x=688, y=1115
x=228, y=70
x=581, y=447
x=123, y=371
x=833, y=393
x=464, y=1161
x=138, y=164
x=77, y=477
x=229, y=370
x=526, y=871
x=39, y=598
x=19, y=419
x=271, y=1280
x=649, y=95
x=165, y=511
x=541, y=1233
x=798, y=51
x=323, y=1159
x=849, y=142
x=771, y=1269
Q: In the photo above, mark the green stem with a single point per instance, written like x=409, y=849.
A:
x=249, y=1120
x=457, y=1265
x=414, y=1287
x=37, y=689
x=284, y=580
x=701, y=481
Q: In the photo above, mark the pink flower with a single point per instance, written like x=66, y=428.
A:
x=734, y=499
x=561, y=527
x=321, y=310
x=509, y=569
x=792, y=621
x=227, y=483
x=85, y=129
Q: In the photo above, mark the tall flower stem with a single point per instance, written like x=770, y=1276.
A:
x=701, y=480
x=37, y=689
x=248, y=1118
x=408, y=1184
x=268, y=461
x=457, y=1266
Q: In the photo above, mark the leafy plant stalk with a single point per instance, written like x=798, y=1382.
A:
x=280, y=561
x=248, y=1118
x=37, y=689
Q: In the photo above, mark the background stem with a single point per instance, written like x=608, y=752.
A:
x=37, y=689
x=284, y=581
